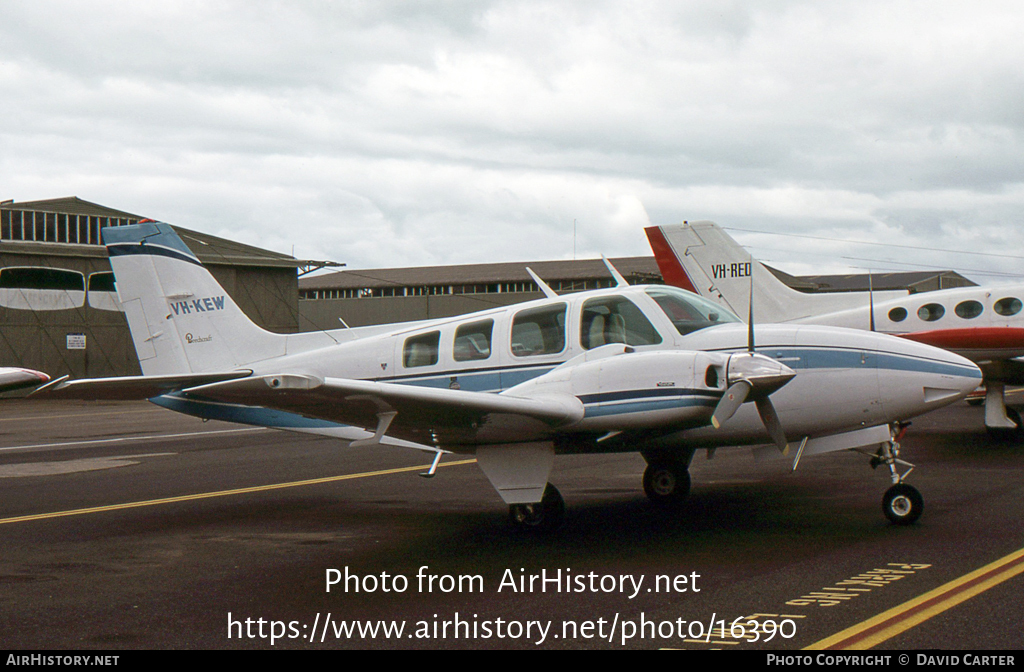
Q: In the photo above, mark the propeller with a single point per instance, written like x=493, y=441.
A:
x=753, y=377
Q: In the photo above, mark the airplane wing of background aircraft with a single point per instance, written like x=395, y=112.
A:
x=15, y=378
x=984, y=324
x=643, y=368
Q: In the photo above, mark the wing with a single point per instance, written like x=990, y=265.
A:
x=425, y=415
x=127, y=388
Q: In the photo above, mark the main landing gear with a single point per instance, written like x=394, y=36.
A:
x=901, y=503
x=544, y=516
x=667, y=482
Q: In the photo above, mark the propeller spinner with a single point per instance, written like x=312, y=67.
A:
x=753, y=377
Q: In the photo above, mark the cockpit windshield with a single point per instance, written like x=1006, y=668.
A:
x=688, y=311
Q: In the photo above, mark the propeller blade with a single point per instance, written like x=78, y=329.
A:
x=771, y=422
x=730, y=403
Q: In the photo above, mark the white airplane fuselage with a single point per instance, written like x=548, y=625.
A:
x=846, y=379
x=980, y=323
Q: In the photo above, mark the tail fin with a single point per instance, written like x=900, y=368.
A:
x=181, y=319
x=717, y=267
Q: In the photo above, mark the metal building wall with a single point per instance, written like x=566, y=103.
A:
x=322, y=314
x=38, y=339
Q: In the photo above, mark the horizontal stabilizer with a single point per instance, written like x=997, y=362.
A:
x=126, y=388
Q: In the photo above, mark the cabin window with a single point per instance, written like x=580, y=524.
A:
x=1007, y=306
x=968, y=309
x=898, y=314
x=930, y=312
x=473, y=341
x=615, y=319
x=688, y=311
x=540, y=331
x=421, y=350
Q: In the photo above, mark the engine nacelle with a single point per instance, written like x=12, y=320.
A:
x=623, y=389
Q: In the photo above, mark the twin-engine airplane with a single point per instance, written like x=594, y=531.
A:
x=984, y=324
x=653, y=369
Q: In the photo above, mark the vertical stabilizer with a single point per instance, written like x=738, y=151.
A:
x=181, y=319
x=717, y=267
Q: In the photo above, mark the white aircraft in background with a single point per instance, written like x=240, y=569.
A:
x=16, y=378
x=984, y=324
x=643, y=368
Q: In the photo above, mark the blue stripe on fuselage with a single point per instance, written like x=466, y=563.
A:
x=641, y=401
x=852, y=358
x=500, y=379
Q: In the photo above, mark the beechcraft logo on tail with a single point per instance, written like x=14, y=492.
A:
x=207, y=305
x=722, y=271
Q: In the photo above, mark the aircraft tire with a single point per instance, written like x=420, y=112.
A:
x=667, y=483
x=903, y=504
x=546, y=515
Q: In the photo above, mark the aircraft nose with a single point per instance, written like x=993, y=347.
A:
x=972, y=376
x=954, y=379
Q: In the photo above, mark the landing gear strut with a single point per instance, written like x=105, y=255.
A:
x=667, y=482
x=1000, y=422
x=902, y=503
x=544, y=516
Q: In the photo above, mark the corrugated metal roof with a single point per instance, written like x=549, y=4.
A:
x=209, y=249
x=214, y=250
x=70, y=205
x=470, y=274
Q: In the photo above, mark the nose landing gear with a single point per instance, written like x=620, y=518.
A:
x=902, y=503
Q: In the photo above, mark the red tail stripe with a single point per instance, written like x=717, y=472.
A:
x=671, y=270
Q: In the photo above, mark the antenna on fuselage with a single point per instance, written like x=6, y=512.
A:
x=548, y=292
x=619, y=280
x=871, y=299
x=750, y=317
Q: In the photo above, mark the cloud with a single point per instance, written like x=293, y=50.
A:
x=395, y=133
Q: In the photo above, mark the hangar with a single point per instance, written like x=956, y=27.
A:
x=375, y=296
x=362, y=297
x=58, y=309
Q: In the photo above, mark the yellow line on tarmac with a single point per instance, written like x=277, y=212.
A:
x=887, y=625
x=222, y=493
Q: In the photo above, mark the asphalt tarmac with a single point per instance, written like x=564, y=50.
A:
x=126, y=526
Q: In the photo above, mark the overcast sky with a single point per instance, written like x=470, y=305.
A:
x=387, y=133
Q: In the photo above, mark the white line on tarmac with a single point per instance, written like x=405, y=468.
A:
x=72, y=466
x=128, y=439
